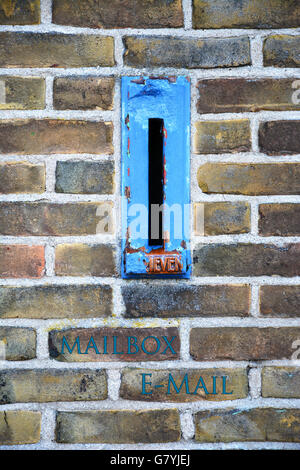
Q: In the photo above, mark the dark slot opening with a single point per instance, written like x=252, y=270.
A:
x=156, y=181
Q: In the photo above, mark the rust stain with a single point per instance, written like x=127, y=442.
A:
x=127, y=193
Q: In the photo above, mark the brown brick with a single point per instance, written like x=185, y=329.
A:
x=118, y=426
x=117, y=349
x=222, y=136
x=22, y=261
x=85, y=177
x=198, y=384
x=185, y=301
x=240, y=425
x=281, y=382
x=20, y=427
x=55, y=50
x=238, y=95
x=242, y=259
x=47, y=385
x=22, y=93
x=22, y=177
x=279, y=137
x=281, y=51
x=83, y=93
x=211, y=14
x=242, y=344
x=56, y=301
x=19, y=12
x=279, y=220
x=251, y=179
x=116, y=14
x=78, y=259
x=20, y=343
x=221, y=218
x=166, y=51
x=38, y=219
x=48, y=136
x=280, y=301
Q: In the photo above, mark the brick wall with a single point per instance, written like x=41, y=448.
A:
x=237, y=318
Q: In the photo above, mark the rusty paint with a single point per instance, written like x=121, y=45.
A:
x=127, y=122
x=170, y=78
x=139, y=81
x=164, y=264
x=127, y=193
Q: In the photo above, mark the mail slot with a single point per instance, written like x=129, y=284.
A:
x=155, y=177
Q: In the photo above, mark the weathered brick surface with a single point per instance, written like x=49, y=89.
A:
x=48, y=136
x=242, y=344
x=162, y=51
x=228, y=384
x=281, y=51
x=20, y=427
x=85, y=177
x=281, y=382
x=118, y=346
x=22, y=93
x=19, y=12
x=185, y=301
x=279, y=137
x=21, y=177
x=282, y=301
x=222, y=136
x=118, y=426
x=78, y=259
x=47, y=385
x=258, y=14
x=56, y=301
x=242, y=259
x=237, y=95
x=221, y=218
x=37, y=219
x=22, y=261
x=83, y=93
x=251, y=179
x=55, y=50
x=279, y=219
x=20, y=343
x=116, y=14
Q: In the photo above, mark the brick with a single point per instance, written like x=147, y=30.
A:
x=156, y=349
x=281, y=382
x=221, y=218
x=282, y=301
x=201, y=385
x=78, y=259
x=56, y=301
x=38, y=219
x=83, y=93
x=52, y=385
x=166, y=51
x=19, y=12
x=22, y=177
x=20, y=343
x=254, y=179
x=222, y=136
x=242, y=344
x=279, y=137
x=243, y=259
x=240, y=425
x=279, y=220
x=18, y=261
x=116, y=14
x=214, y=14
x=85, y=177
x=185, y=301
x=20, y=427
x=55, y=50
x=118, y=426
x=22, y=93
x=281, y=51
x=48, y=136
x=238, y=95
